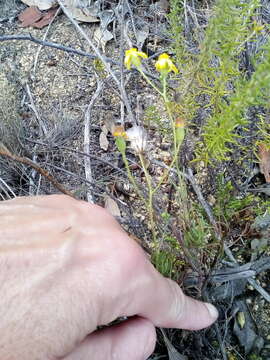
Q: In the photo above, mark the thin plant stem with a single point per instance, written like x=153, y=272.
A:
x=176, y=147
x=149, y=81
x=131, y=178
x=168, y=170
x=150, y=196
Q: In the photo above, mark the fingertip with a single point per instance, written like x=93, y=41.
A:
x=185, y=312
x=213, y=312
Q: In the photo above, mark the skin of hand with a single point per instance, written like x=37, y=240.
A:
x=66, y=267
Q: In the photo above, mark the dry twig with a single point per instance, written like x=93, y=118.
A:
x=54, y=45
x=86, y=146
x=44, y=38
x=4, y=152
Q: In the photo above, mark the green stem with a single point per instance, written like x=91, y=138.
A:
x=131, y=178
x=166, y=101
x=168, y=170
x=149, y=81
x=150, y=199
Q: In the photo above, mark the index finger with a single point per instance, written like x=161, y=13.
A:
x=166, y=305
x=162, y=301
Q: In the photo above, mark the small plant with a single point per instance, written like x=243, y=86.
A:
x=138, y=140
x=228, y=206
x=214, y=73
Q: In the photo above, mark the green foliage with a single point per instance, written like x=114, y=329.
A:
x=262, y=207
x=152, y=117
x=219, y=130
x=198, y=233
x=227, y=204
x=228, y=31
x=164, y=261
x=254, y=357
x=99, y=68
x=214, y=72
x=264, y=128
x=176, y=30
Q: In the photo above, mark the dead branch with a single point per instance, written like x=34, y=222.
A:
x=4, y=152
x=55, y=46
x=86, y=146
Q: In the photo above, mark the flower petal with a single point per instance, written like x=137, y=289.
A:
x=174, y=69
x=142, y=54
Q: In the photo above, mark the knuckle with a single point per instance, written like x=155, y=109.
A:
x=178, y=301
x=129, y=257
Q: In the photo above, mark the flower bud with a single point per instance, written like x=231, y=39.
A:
x=179, y=130
x=120, y=134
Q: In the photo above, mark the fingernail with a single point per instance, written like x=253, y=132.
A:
x=212, y=310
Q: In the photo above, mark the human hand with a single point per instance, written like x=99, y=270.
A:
x=66, y=267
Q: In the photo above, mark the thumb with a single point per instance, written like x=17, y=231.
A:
x=133, y=339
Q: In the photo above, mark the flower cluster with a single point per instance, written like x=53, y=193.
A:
x=164, y=64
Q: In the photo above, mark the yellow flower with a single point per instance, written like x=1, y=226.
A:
x=119, y=131
x=165, y=65
x=132, y=57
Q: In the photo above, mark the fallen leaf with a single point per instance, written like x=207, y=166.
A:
x=79, y=9
x=109, y=123
x=163, y=5
x=83, y=15
x=32, y=16
x=142, y=34
x=103, y=141
x=46, y=19
x=172, y=352
x=112, y=206
x=264, y=157
x=102, y=37
x=160, y=8
x=29, y=16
